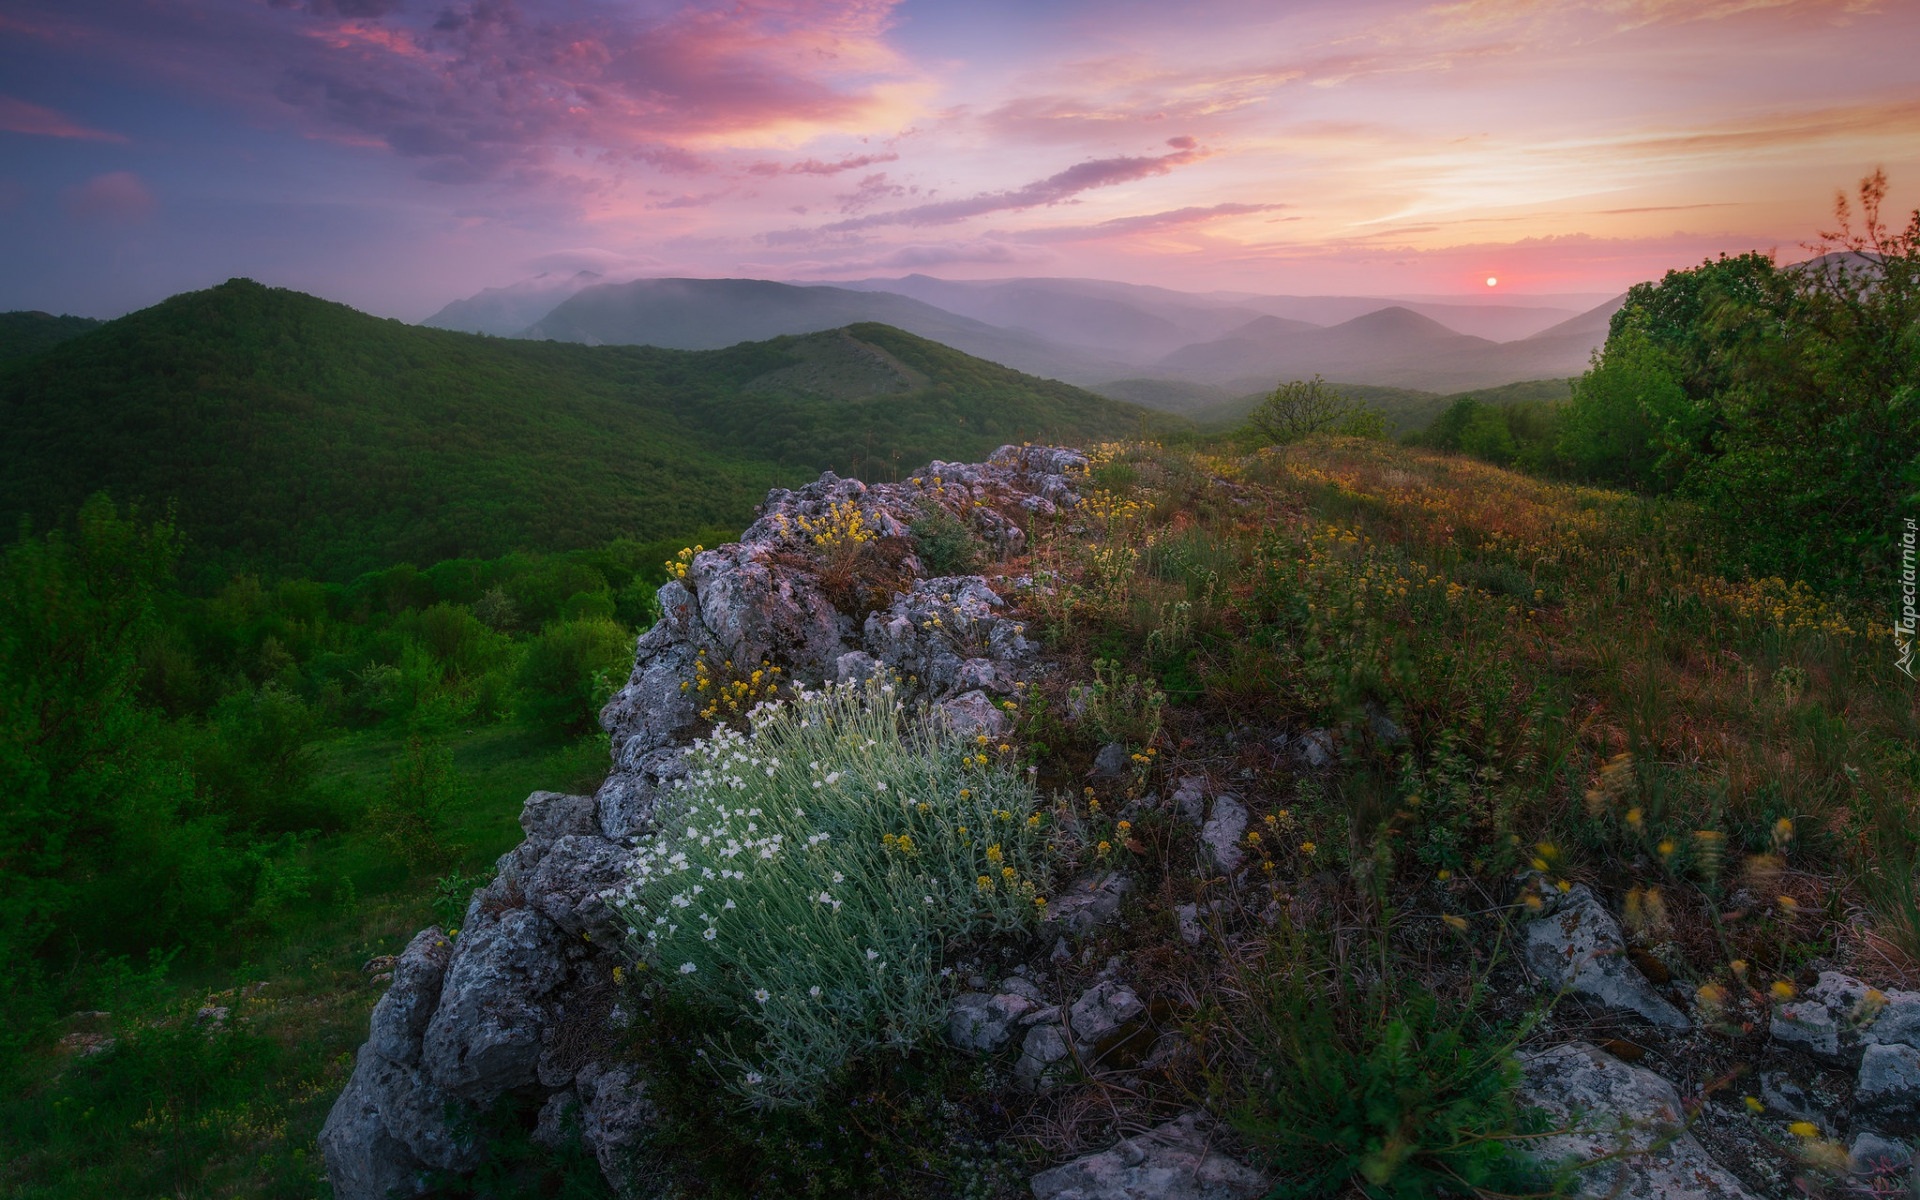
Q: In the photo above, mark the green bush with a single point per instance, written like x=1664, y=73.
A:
x=944, y=543
x=813, y=871
x=1369, y=1083
x=409, y=819
x=570, y=670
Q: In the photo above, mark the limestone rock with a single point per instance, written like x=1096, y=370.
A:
x=1872, y=1154
x=1102, y=1010
x=615, y=1119
x=1608, y=1108
x=1112, y=762
x=1190, y=797
x=1188, y=918
x=1222, y=833
x=364, y=1160
x=1045, y=1045
x=485, y=1036
x=1089, y=902
x=401, y=1016
x=565, y=888
x=971, y=714
x=1172, y=1162
x=983, y=1023
x=1579, y=945
x=1887, y=1094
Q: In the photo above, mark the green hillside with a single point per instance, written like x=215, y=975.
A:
x=26, y=333
x=299, y=436
x=1406, y=409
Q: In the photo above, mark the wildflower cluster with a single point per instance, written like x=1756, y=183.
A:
x=809, y=871
x=726, y=693
x=1790, y=608
x=844, y=528
x=677, y=565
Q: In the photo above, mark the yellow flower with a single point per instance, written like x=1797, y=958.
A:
x=1105, y=847
x=1804, y=1129
x=1457, y=924
x=1308, y=848
x=1754, y=1105
x=1782, y=990
x=1007, y=872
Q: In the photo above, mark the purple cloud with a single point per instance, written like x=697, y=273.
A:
x=1081, y=177
x=814, y=166
x=1143, y=223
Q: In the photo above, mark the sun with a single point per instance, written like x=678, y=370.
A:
x=1491, y=281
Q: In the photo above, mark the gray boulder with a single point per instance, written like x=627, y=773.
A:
x=1225, y=826
x=1626, y=1121
x=485, y=1036
x=615, y=1120
x=983, y=1023
x=1886, y=1096
x=1175, y=1161
x=1089, y=902
x=1045, y=1045
x=1103, y=1010
x=400, y=1018
x=1579, y=946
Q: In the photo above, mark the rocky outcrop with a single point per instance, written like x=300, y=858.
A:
x=951, y=639
x=1579, y=946
x=1624, y=1124
x=516, y=1008
x=1176, y=1161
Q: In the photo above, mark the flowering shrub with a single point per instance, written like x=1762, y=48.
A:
x=811, y=869
x=728, y=692
x=677, y=565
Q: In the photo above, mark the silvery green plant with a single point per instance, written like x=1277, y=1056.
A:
x=808, y=873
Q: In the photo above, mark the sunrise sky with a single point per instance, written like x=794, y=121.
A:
x=396, y=154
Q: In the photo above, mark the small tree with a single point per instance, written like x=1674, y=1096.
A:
x=1300, y=409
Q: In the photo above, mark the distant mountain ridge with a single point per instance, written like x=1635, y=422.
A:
x=298, y=436
x=507, y=311
x=1094, y=333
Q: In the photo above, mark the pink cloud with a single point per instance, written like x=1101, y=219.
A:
x=18, y=116
x=118, y=196
x=814, y=166
x=1081, y=177
x=1143, y=223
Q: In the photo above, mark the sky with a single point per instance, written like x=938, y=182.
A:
x=398, y=154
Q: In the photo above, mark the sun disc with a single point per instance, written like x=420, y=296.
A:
x=1491, y=281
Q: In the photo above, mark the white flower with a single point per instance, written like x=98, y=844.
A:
x=729, y=904
x=872, y=954
x=839, y=878
x=882, y=785
x=688, y=968
x=760, y=994
x=814, y=991
x=750, y=1078
x=711, y=933
x=927, y=899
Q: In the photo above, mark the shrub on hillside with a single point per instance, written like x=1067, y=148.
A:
x=569, y=671
x=809, y=872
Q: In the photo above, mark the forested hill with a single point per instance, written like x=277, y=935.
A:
x=299, y=436
x=27, y=333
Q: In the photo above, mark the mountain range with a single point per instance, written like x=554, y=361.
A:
x=291, y=434
x=1093, y=333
